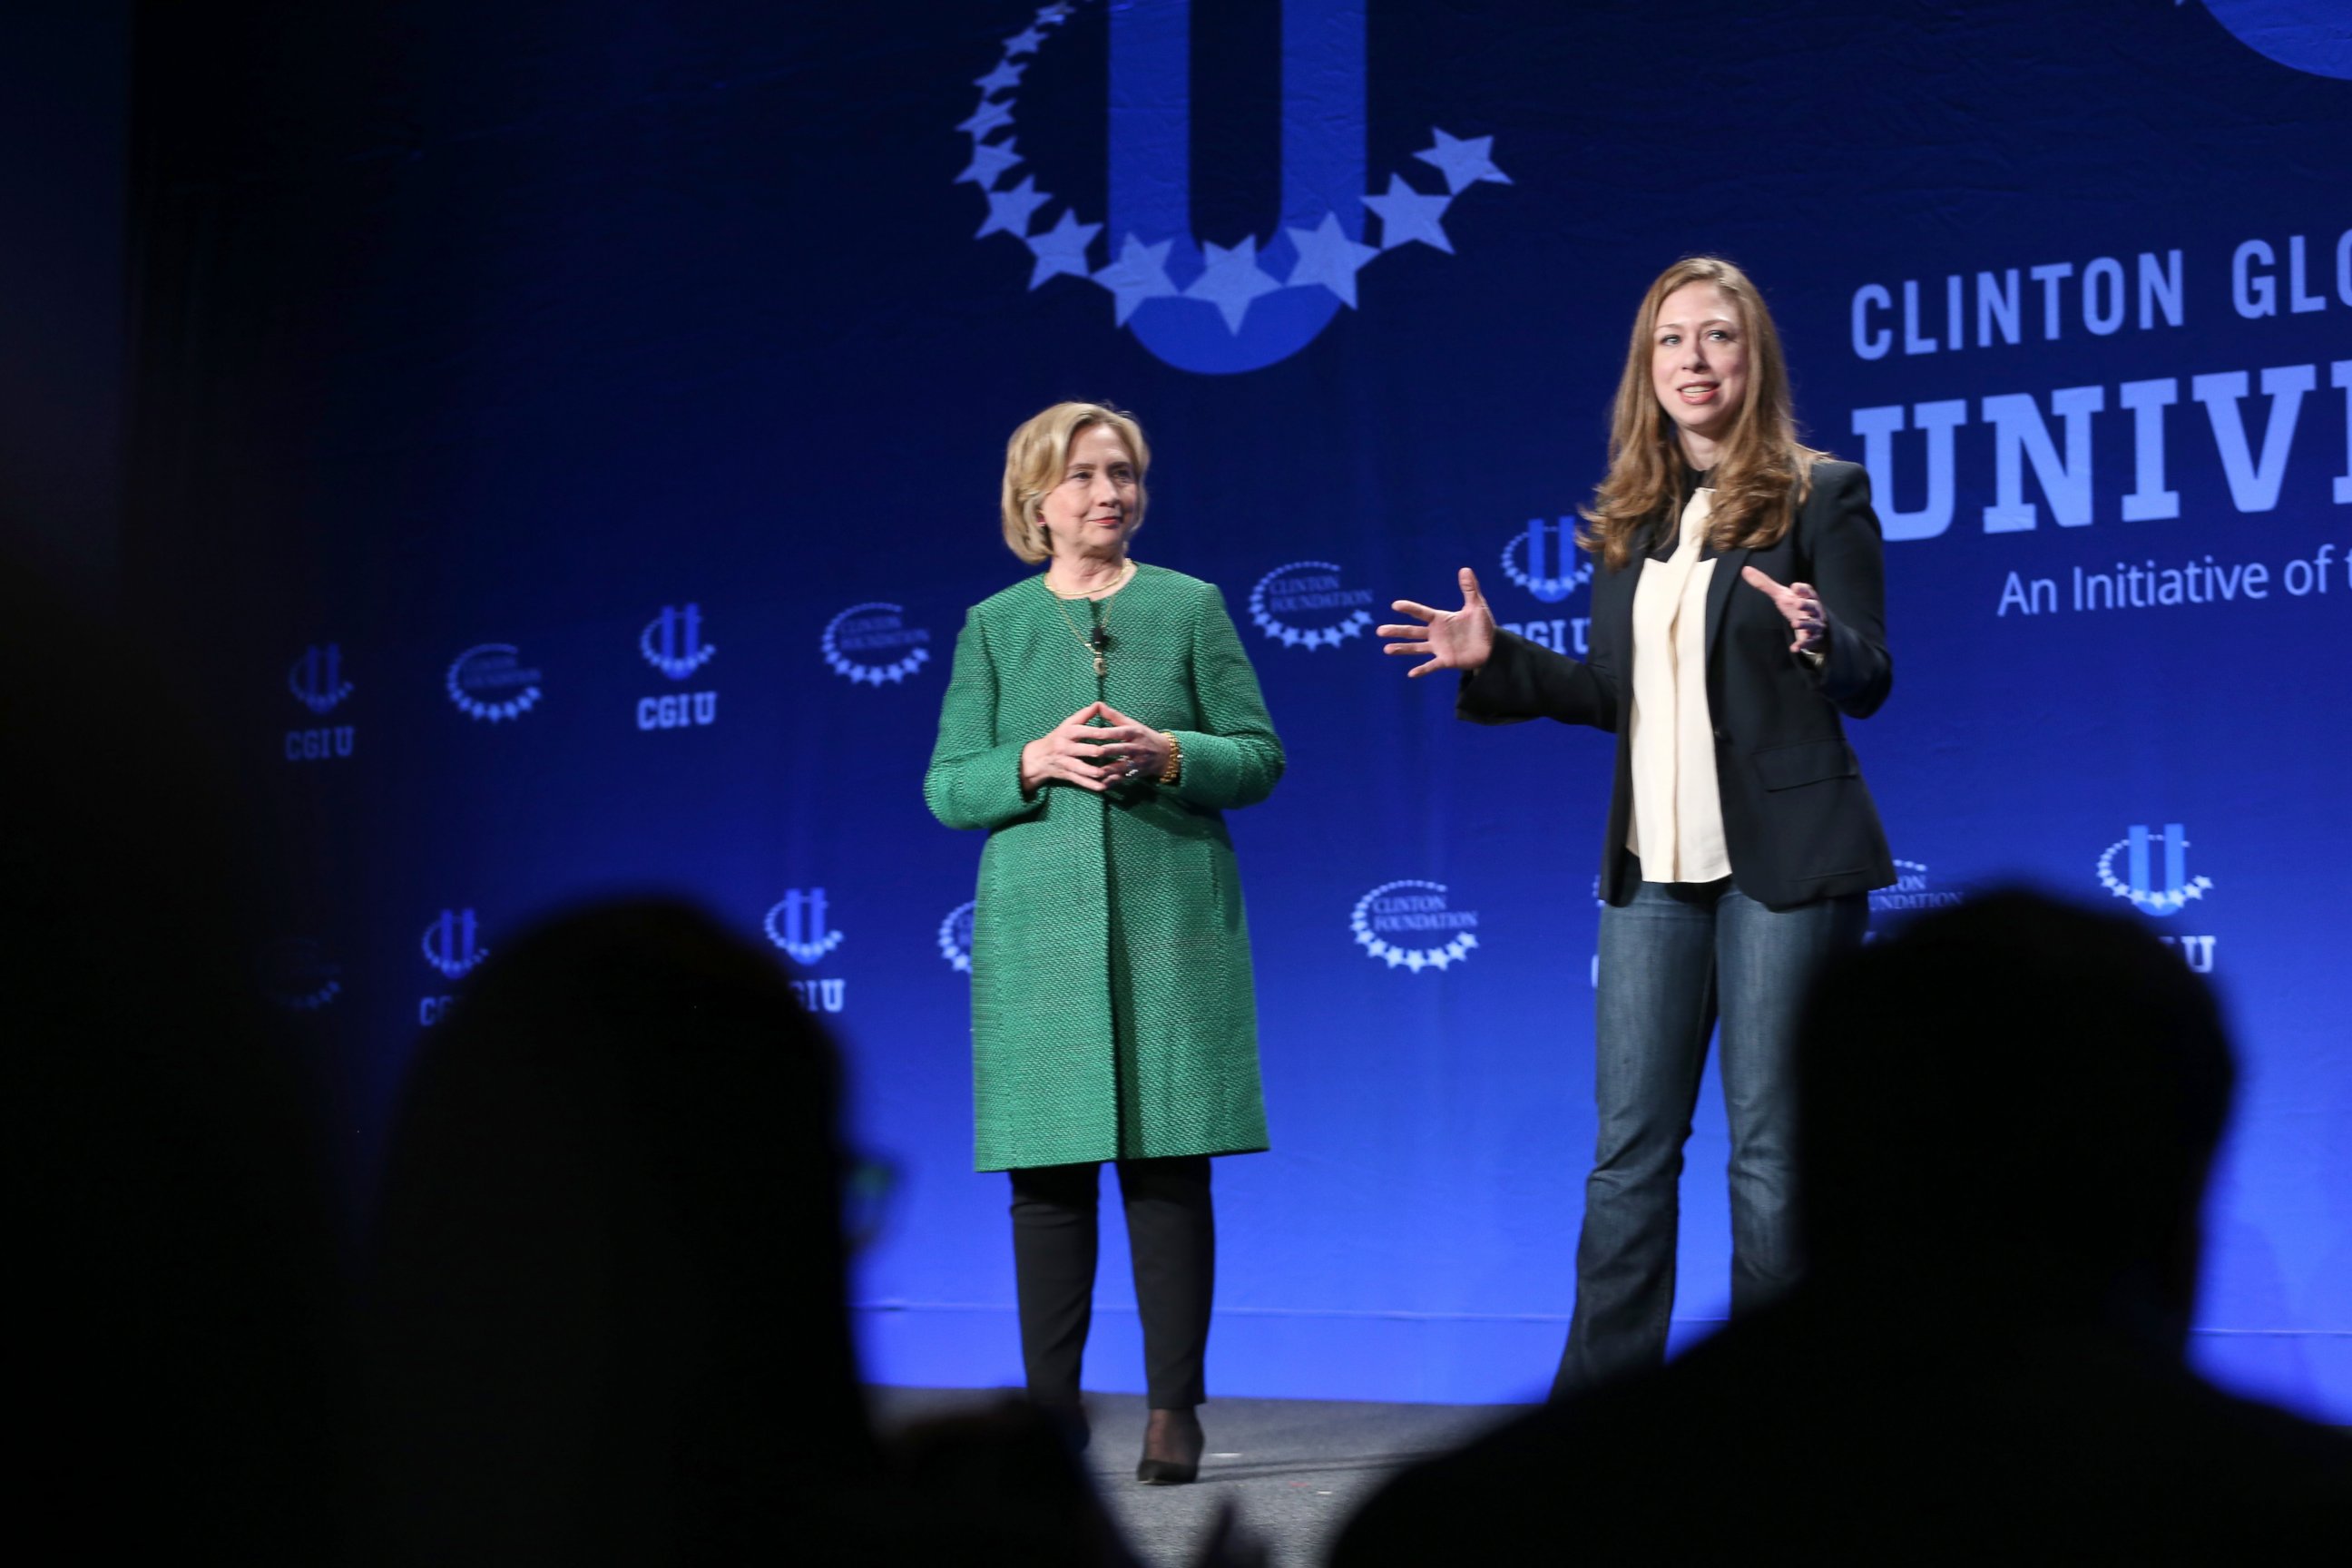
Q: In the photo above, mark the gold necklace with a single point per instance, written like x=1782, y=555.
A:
x=1099, y=643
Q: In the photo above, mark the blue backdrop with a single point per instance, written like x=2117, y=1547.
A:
x=568, y=443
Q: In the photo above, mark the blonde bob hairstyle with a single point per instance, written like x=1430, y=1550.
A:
x=1037, y=456
x=1763, y=474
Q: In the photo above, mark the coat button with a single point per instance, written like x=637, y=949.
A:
x=1721, y=737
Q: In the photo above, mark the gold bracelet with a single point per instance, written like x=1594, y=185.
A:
x=1175, y=758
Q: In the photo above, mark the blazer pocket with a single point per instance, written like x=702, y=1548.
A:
x=1804, y=763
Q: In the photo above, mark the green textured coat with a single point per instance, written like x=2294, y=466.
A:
x=1113, y=1015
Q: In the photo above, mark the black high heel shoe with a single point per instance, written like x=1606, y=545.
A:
x=1171, y=1449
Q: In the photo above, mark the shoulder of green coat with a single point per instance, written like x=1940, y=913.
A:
x=1181, y=583
x=1201, y=596
x=1023, y=594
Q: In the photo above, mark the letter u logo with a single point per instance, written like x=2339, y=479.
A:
x=2176, y=857
x=450, y=944
x=796, y=924
x=1152, y=181
x=1197, y=304
x=2137, y=847
x=672, y=641
x=317, y=678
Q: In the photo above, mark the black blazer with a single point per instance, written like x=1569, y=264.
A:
x=1797, y=818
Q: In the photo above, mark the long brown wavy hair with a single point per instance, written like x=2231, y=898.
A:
x=1763, y=474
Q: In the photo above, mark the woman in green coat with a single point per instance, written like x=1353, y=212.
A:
x=1099, y=720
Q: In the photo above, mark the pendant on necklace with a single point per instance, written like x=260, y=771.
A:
x=1098, y=667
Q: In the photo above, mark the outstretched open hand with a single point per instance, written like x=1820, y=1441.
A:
x=1808, y=621
x=1447, y=639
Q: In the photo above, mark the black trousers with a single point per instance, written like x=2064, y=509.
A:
x=1172, y=1233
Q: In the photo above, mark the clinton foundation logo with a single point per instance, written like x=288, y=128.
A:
x=1309, y=594
x=955, y=936
x=1197, y=304
x=672, y=643
x=490, y=681
x=871, y=643
x=2166, y=895
x=1912, y=891
x=316, y=680
x=1406, y=925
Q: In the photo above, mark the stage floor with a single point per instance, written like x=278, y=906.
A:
x=1297, y=1469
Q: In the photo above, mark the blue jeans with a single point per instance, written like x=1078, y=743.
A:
x=1668, y=959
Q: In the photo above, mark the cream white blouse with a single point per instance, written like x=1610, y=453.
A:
x=1676, y=823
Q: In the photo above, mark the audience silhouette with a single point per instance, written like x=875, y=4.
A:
x=607, y=1314
x=2009, y=1112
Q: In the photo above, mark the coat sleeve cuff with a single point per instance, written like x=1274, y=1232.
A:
x=982, y=790
x=1841, y=669
x=1494, y=693
x=1221, y=772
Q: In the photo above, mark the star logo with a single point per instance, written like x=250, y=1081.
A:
x=1231, y=281
x=1005, y=76
x=1406, y=215
x=989, y=160
x=1141, y=273
x=1327, y=256
x=993, y=115
x=1061, y=249
x=1463, y=163
x=1010, y=210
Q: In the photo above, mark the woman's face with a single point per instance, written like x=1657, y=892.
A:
x=1094, y=507
x=1698, y=365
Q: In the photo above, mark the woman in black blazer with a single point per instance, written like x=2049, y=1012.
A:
x=1742, y=843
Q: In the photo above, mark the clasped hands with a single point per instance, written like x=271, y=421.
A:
x=1094, y=756
x=1465, y=638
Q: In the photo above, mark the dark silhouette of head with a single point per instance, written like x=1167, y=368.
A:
x=2008, y=1112
x=607, y=1316
x=2015, y=1098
